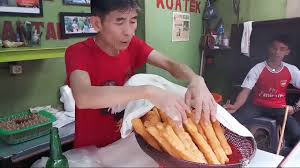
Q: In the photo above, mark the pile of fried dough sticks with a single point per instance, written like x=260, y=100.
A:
x=201, y=143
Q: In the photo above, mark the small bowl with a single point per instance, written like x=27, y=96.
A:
x=218, y=98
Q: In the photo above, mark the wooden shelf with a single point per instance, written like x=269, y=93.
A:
x=25, y=54
x=220, y=49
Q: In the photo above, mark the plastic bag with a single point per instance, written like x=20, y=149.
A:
x=210, y=11
x=81, y=157
x=125, y=153
x=122, y=153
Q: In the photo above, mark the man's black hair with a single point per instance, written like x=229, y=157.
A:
x=283, y=38
x=103, y=7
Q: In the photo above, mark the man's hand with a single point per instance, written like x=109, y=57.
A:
x=170, y=103
x=231, y=108
x=291, y=110
x=199, y=97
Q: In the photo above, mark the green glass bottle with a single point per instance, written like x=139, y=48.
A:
x=57, y=159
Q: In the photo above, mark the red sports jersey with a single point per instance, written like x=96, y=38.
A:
x=98, y=127
x=270, y=87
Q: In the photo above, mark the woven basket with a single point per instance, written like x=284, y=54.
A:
x=243, y=149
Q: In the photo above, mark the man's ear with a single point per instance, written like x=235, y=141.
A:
x=288, y=52
x=96, y=23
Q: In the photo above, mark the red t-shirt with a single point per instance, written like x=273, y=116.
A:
x=270, y=90
x=98, y=127
x=269, y=86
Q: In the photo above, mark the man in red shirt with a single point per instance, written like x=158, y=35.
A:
x=269, y=81
x=98, y=67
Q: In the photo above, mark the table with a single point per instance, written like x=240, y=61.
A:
x=265, y=159
x=127, y=153
x=293, y=158
x=10, y=154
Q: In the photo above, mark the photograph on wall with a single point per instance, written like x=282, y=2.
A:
x=181, y=26
x=21, y=7
x=76, y=25
x=77, y=2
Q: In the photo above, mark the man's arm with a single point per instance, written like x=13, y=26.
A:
x=179, y=71
x=94, y=97
x=240, y=101
x=198, y=95
x=295, y=108
x=247, y=85
x=298, y=103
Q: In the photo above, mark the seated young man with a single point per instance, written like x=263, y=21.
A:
x=269, y=81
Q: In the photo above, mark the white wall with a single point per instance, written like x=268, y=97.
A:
x=293, y=8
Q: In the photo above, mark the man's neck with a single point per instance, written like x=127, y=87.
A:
x=274, y=64
x=108, y=49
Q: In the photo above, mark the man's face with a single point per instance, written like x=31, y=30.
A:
x=118, y=28
x=278, y=51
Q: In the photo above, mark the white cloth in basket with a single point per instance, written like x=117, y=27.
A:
x=138, y=108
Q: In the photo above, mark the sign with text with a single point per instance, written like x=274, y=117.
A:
x=191, y=6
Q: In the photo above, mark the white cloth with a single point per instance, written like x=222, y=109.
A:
x=138, y=108
x=245, y=43
x=63, y=118
x=67, y=98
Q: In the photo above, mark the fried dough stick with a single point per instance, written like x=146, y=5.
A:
x=187, y=141
x=151, y=118
x=214, y=142
x=162, y=141
x=201, y=143
x=175, y=142
x=200, y=130
x=163, y=115
x=140, y=129
x=220, y=134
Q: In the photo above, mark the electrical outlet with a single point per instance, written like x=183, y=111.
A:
x=15, y=69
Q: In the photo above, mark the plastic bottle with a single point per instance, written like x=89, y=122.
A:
x=18, y=37
x=220, y=35
x=225, y=41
